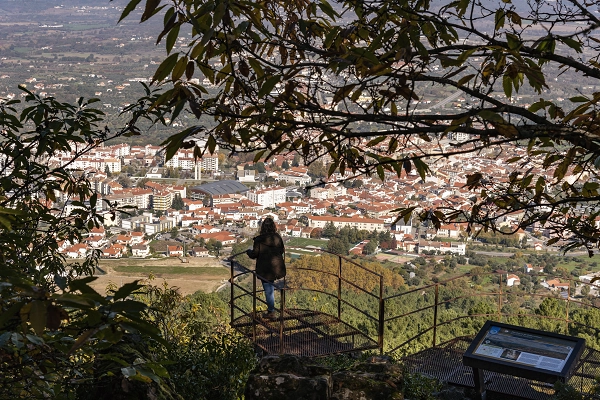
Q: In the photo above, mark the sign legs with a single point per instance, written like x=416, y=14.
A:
x=479, y=384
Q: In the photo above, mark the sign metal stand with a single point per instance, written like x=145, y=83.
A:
x=523, y=352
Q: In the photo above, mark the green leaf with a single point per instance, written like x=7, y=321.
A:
x=172, y=38
x=579, y=99
x=150, y=10
x=126, y=290
x=169, y=23
x=158, y=369
x=381, y=172
x=4, y=338
x=35, y=339
x=11, y=312
x=421, y=167
x=82, y=284
x=208, y=72
x=259, y=155
x=74, y=300
x=256, y=67
x=37, y=316
x=507, y=84
x=211, y=144
x=590, y=189
x=499, y=19
x=343, y=92
x=165, y=68
x=81, y=340
x=219, y=13
x=189, y=70
x=539, y=186
x=128, y=372
x=526, y=181
x=268, y=86
x=375, y=141
x=538, y=105
x=196, y=51
x=407, y=214
x=146, y=376
x=513, y=41
x=207, y=36
x=562, y=168
x=179, y=68
x=514, y=17
x=113, y=357
x=332, y=168
x=490, y=116
x=174, y=142
x=327, y=9
x=465, y=79
x=128, y=9
x=131, y=307
x=572, y=43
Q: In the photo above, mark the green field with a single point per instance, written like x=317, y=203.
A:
x=303, y=242
x=173, y=270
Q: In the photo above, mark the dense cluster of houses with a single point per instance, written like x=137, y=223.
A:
x=370, y=205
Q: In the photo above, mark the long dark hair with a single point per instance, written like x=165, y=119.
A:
x=268, y=226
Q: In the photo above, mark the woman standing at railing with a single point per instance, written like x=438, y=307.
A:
x=268, y=251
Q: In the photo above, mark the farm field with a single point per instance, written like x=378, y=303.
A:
x=199, y=274
x=304, y=242
x=393, y=258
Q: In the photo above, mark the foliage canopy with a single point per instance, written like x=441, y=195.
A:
x=344, y=81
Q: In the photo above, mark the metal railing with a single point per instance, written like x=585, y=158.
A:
x=497, y=293
x=342, y=295
x=430, y=311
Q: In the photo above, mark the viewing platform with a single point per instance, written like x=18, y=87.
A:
x=437, y=322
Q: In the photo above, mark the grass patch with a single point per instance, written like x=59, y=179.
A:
x=23, y=49
x=463, y=269
x=585, y=262
x=303, y=242
x=173, y=270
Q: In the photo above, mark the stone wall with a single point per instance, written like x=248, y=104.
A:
x=290, y=377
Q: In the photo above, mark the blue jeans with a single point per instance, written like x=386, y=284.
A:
x=269, y=288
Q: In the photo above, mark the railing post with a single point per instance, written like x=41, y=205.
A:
x=254, y=307
x=339, y=293
x=232, y=293
x=281, y=321
x=381, y=316
x=435, y=312
x=567, y=309
x=500, y=299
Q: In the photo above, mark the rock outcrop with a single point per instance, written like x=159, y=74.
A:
x=290, y=377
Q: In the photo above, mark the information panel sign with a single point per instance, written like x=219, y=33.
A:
x=524, y=352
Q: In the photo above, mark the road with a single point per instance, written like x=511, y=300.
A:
x=505, y=254
x=494, y=253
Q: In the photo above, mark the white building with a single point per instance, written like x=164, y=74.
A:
x=295, y=178
x=512, y=280
x=184, y=159
x=367, y=224
x=101, y=164
x=268, y=197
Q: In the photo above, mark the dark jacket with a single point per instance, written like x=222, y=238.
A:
x=268, y=251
